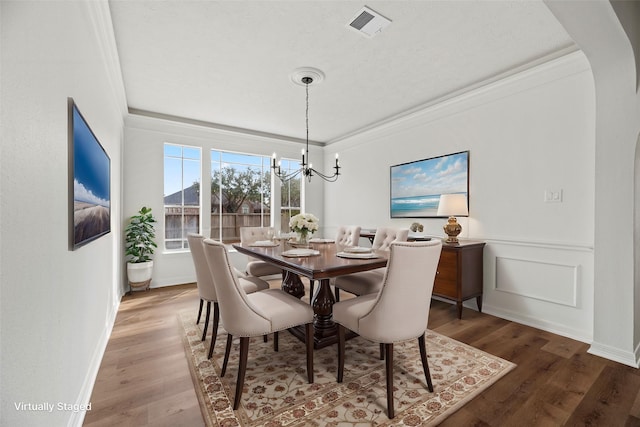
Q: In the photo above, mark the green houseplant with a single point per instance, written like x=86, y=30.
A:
x=139, y=235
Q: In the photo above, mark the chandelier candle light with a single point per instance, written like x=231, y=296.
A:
x=305, y=76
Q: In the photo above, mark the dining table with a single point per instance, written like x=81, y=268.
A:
x=322, y=260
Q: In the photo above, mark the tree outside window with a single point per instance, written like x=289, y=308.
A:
x=240, y=193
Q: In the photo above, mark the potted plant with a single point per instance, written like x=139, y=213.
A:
x=139, y=235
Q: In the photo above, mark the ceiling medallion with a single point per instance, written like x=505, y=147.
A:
x=298, y=76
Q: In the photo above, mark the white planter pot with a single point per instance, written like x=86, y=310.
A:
x=139, y=272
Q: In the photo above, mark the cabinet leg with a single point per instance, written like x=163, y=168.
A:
x=479, y=302
x=459, y=304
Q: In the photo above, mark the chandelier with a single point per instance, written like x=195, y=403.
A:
x=306, y=168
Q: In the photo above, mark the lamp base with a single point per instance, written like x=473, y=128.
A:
x=452, y=229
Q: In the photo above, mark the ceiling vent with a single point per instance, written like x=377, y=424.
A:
x=368, y=23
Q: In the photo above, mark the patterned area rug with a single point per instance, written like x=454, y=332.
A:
x=276, y=392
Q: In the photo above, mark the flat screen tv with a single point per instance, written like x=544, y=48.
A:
x=89, y=182
x=416, y=186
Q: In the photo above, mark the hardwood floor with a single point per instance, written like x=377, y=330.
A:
x=144, y=379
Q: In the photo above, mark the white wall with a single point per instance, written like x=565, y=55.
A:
x=597, y=30
x=526, y=134
x=144, y=179
x=57, y=305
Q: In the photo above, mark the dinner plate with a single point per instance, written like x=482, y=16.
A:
x=300, y=252
x=357, y=250
x=264, y=244
x=357, y=255
x=319, y=240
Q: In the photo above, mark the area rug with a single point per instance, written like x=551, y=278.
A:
x=276, y=392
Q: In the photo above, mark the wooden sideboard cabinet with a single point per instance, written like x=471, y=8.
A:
x=459, y=274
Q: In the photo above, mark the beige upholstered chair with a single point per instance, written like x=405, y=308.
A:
x=370, y=281
x=348, y=235
x=238, y=273
x=207, y=290
x=249, y=235
x=248, y=315
x=398, y=312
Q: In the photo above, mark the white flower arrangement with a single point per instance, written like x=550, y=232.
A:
x=304, y=223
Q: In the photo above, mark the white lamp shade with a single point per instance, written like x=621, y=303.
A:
x=453, y=205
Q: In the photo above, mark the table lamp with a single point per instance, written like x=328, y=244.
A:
x=451, y=205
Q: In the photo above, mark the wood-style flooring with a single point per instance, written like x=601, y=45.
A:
x=144, y=379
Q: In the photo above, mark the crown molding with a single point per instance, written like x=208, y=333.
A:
x=100, y=17
x=559, y=64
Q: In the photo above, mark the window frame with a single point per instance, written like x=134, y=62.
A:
x=182, y=207
x=216, y=156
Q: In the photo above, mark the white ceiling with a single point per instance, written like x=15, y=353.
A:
x=229, y=62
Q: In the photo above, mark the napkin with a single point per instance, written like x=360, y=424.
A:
x=357, y=250
x=300, y=252
x=319, y=240
x=263, y=243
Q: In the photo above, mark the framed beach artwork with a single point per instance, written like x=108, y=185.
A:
x=416, y=186
x=89, y=182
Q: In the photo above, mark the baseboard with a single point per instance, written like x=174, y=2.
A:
x=77, y=417
x=628, y=358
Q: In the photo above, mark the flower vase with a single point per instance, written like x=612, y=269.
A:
x=303, y=239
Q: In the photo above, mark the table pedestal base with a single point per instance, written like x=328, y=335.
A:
x=325, y=330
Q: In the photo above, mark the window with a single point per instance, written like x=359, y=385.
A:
x=240, y=193
x=181, y=194
x=289, y=193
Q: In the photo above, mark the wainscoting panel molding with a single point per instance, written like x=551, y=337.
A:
x=541, y=280
x=547, y=286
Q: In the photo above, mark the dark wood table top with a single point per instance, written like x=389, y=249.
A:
x=323, y=266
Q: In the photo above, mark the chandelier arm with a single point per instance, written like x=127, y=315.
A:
x=329, y=178
x=284, y=177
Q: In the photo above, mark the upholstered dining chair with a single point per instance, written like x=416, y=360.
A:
x=248, y=315
x=249, y=235
x=398, y=312
x=207, y=290
x=237, y=272
x=347, y=235
x=369, y=281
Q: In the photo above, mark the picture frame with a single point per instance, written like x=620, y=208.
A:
x=89, y=182
x=415, y=187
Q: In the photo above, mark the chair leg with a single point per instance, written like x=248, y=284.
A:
x=381, y=351
x=311, y=286
x=309, y=341
x=337, y=294
x=389, y=369
x=199, y=311
x=227, y=350
x=340, y=352
x=242, y=369
x=214, y=332
x=425, y=363
x=275, y=341
x=206, y=320
x=264, y=338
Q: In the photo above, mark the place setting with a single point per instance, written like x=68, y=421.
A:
x=357, y=252
x=264, y=244
x=300, y=252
